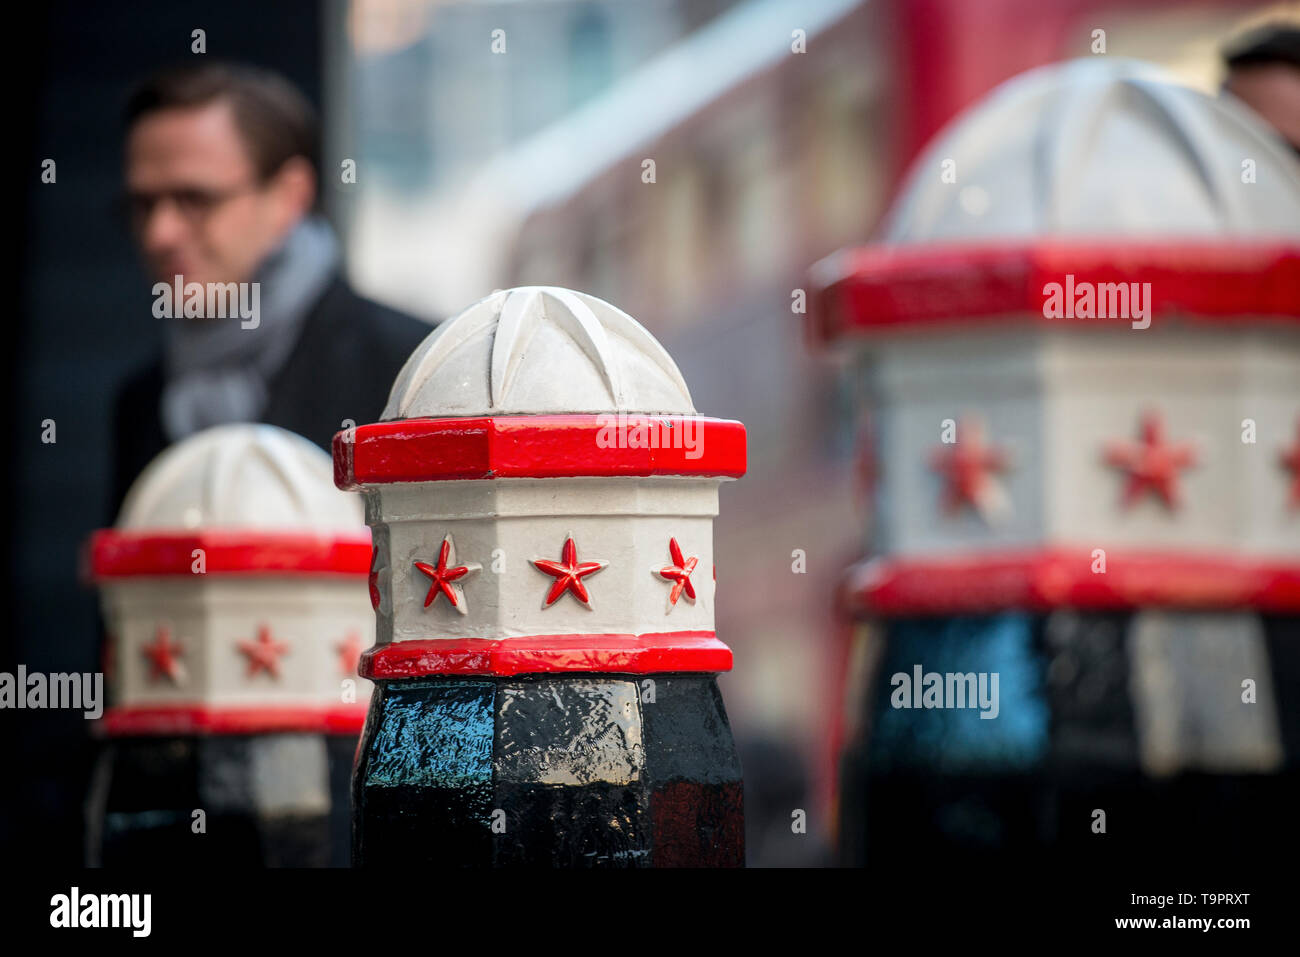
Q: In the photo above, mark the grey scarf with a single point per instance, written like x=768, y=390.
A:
x=216, y=371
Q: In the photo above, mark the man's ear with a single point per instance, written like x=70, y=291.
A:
x=295, y=186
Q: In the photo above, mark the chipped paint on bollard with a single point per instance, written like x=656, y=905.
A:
x=541, y=493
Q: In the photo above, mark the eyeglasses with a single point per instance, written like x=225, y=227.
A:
x=194, y=205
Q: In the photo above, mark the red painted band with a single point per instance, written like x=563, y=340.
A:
x=537, y=446
x=622, y=654
x=199, y=720
x=877, y=287
x=1046, y=579
x=116, y=554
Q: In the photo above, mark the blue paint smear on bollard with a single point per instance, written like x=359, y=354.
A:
x=434, y=734
x=958, y=739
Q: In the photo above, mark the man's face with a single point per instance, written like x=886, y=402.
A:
x=198, y=207
x=1272, y=91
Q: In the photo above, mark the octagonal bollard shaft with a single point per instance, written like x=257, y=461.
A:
x=233, y=588
x=541, y=495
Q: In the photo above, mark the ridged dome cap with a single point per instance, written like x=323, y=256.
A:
x=538, y=350
x=1100, y=147
x=240, y=477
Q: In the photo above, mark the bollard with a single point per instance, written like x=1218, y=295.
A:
x=1081, y=363
x=541, y=494
x=233, y=591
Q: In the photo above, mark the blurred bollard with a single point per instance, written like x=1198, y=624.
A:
x=542, y=493
x=233, y=589
x=1078, y=338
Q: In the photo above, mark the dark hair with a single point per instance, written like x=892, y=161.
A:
x=1273, y=43
x=276, y=120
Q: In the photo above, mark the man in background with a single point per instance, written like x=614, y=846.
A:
x=221, y=187
x=1264, y=73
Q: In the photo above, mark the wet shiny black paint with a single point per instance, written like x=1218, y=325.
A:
x=549, y=771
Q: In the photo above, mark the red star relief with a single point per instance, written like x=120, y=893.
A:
x=263, y=654
x=164, y=657
x=865, y=466
x=967, y=466
x=442, y=578
x=108, y=657
x=568, y=573
x=349, y=654
x=1151, y=463
x=373, y=579
x=679, y=573
x=1291, y=461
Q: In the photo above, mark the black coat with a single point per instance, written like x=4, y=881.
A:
x=349, y=352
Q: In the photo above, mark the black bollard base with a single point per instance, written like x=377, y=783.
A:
x=549, y=771
x=1058, y=775
x=275, y=800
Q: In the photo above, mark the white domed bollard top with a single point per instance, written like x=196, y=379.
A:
x=1095, y=148
x=541, y=494
x=1102, y=168
x=232, y=590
